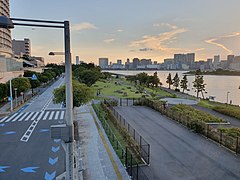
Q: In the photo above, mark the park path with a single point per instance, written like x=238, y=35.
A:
x=177, y=153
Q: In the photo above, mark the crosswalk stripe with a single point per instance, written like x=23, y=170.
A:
x=56, y=115
x=29, y=116
x=4, y=119
x=11, y=117
x=24, y=116
x=35, y=115
x=45, y=117
x=62, y=115
x=40, y=115
x=51, y=115
x=19, y=115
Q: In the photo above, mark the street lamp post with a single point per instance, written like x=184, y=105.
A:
x=15, y=89
x=227, y=96
x=11, y=96
x=8, y=23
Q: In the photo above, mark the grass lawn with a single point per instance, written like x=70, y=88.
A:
x=109, y=88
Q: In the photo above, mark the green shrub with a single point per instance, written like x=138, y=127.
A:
x=195, y=114
x=233, y=132
x=233, y=111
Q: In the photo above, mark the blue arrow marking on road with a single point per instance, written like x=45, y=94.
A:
x=1, y=125
x=55, y=149
x=3, y=167
x=9, y=133
x=52, y=161
x=57, y=140
x=44, y=130
x=29, y=169
x=50, y=176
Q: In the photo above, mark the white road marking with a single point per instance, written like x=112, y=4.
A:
x=51, y=115
x=29, y=116
x=46, y=105
x=35, y=115
x=29, y=132
x=62, y=114
x=56, y=115
x=45, y=117
x=4, y=119
x=11, y=117
x=19, y=115
x=23, y=116
x=40, y=115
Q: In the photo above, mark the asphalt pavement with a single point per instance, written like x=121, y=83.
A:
x=27, y=150
x=176, y=152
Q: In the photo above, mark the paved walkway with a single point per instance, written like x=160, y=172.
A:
x=176, y=152
x=99, y=160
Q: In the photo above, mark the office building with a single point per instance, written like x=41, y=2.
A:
x=77, y=60
x=103, y=63
x=119, y=62
x=5, y=34
x=21, y=48
x=135, y=63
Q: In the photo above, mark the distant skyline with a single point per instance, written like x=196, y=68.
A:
x=154, y=29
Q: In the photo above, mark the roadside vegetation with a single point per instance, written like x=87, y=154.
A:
x=195, y=114
x=232, y=132
x=118, y=137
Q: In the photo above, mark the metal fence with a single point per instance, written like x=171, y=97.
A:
x=197, y=126
x=127, y=158
x=143, y=145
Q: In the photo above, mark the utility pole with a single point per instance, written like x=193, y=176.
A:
x=69, y=104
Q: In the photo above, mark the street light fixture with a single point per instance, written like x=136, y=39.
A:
x=7, y=23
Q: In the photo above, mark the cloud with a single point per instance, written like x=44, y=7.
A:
x=159, y=42
x=219, y=41
x=109, y=40
x=145, y=49
x=165, y=25
x=119, y=30
x=83, y=26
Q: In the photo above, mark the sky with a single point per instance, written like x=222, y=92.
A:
x=154, y=29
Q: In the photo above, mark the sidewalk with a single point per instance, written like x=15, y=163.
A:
x=99, y=160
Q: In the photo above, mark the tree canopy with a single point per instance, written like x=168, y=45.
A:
x=81, y=94
x=169, y=80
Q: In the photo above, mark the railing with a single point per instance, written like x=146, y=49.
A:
x=198, y=126
x=144, y=146
x=127, y=158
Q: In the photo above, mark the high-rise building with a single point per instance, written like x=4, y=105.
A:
x=216, y=61
x=119, y=61
x=21, y=47
x=190, y=59
x=136, y=62
x=103, y=63
x=5, y=34
x=77, y=60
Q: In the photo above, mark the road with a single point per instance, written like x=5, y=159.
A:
x=177, y=153
x=27, y=151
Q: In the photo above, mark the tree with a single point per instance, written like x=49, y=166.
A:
x=3, y=91
x=169, y=81
x=142, y=78
x=86, y=76
x=183, y=83
x=199, y=84
x=81, y=94
x=176, y=81
x=22, y=84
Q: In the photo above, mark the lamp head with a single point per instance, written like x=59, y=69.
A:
x=6, y=22
x=51, y=54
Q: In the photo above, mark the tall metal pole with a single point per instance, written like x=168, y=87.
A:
x=15, y=89
x=69, y=103
x=11, y=96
